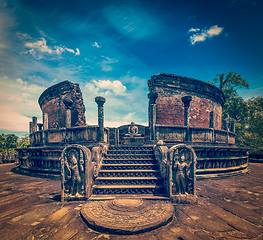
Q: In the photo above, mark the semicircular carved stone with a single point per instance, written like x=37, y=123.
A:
x=76, y=175
x=127, y=216
x=182, y=174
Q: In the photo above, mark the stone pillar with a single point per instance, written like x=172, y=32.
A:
x=232, y=126
x=45, y=121
x=152, y=114
x=225, y=124
x=100, y=101
x=186, y=100
x=68, y=103
x=34, y=124
x=211, y=119
x=211, y=125
x=30, y=127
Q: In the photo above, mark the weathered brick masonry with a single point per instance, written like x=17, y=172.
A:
x=169, y=106
x=51, y=102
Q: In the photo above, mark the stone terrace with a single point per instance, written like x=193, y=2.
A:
x=230, y=208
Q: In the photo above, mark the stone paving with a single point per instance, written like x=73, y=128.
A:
x=230, y=208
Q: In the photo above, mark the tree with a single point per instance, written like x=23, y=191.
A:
x=254, y=129
x=8, y=141
x=228, y=82
x=23, y=141
x=248, y=115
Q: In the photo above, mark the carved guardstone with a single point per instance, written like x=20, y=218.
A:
x=76, y=173
x=182, y=174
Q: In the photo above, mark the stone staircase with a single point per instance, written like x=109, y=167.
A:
x=128, y=171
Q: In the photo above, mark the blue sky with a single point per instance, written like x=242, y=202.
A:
x=111, y=48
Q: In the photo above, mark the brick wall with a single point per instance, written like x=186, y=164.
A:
x=169, y=105
x=51, y=102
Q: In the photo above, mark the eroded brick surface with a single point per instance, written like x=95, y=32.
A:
x=170, y=108
x=51, y=102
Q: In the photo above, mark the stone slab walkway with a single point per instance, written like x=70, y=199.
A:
x=230, y=208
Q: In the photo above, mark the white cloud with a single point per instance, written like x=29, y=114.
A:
x=12, y=120
x=40, y=46
x=106, y=87
x=105, y=64
x=23, y=35
x=194, y=30
x=202, y=35
x=213, y=31
x=29, y=87
x=77, y=52
x=54, y=81
x=96, y=45
x=18, y=102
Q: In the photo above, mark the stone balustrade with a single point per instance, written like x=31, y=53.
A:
x=8, y=157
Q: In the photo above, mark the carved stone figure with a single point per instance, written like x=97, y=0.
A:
x=182, y=161
x=74, y=171
x=181, y=179
x=133, y=130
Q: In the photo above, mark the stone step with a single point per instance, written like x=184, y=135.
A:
x=129, y=161
x=129, y=156
x=129, y=170
x=129, y=173
x=130, y=152
x=140, y=148
x=129, y=181
x=129, y=167
x=128, y=189
x=95, y=197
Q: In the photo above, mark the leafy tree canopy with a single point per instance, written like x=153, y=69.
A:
x=8, y=141
x=228, y=83
x=248, y=115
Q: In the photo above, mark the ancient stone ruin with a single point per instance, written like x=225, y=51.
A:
x=186, y=140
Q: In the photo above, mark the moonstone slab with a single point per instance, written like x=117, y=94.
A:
x=127, y=216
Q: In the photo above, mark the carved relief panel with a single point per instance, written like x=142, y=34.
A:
x=76, y=176
x=182, y=174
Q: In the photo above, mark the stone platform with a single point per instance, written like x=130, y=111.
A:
x=127, y=216
x=230, y=208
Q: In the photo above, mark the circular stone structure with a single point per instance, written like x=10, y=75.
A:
x=127, y=216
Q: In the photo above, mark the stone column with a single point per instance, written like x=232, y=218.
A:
x=152, y=114
x=225, y=124
x=211, y=119
x=30, y=127
x=34, y=124
x=186, y=100
x=211, y=125
x=45, y=121
x=232, y=126
x=68, y=104
x=100, y=101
